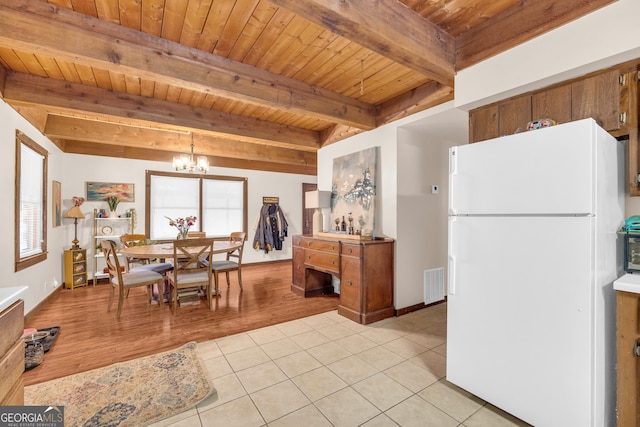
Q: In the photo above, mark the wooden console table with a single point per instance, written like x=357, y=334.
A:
x=365, y=270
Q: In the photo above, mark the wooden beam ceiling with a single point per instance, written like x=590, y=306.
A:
x=387, y=27
x=517, y=24
x=95, y=43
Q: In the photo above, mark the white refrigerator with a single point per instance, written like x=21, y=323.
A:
x=533, y=253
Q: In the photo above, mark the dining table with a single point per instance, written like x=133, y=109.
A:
x=165, y=250
x=162, y=251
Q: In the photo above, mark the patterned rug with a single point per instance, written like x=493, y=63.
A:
x=133, y=393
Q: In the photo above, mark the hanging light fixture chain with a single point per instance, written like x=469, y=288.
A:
x=362, y=77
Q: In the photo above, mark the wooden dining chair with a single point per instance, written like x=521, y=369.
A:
x=124, y=281
x=130, y=240
x=233, y=262
x=196, y=234
x=190, y=268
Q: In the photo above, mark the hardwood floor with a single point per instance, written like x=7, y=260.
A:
x=90, y=337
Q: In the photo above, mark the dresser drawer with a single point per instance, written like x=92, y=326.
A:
x=12, y=326
x=320, y=245
x=322, y=261
x=350, y=250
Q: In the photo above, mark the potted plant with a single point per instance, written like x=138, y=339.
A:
x=113, y=205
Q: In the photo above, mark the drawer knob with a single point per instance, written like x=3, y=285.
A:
x=349, y=282
x=332, y=262
x=349, y=250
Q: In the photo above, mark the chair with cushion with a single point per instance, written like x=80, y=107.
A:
x=233, y=261
x=126, y=280
x=190, y=268
x=129, y=240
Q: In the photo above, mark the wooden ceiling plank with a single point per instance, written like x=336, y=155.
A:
x=34, y=26
x=516, y=25
x=152, y=14
x=28, y=90
x=387, y=27
x=260, y=18
x=238, y=19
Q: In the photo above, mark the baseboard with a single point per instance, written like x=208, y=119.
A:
x=416, y=307
x=36, y=309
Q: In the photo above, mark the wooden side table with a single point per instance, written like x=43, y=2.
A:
x=75, y=268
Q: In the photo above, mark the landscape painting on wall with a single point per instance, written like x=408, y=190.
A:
x=57, y=203
x=354, y=189
x=104, y=190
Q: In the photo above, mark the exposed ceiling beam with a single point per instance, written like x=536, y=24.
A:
x=66, y=35
x=63, y=98
x=387, y=27
x=517, y=24
x=94, y=149
x=112, y=135
x=423, y=97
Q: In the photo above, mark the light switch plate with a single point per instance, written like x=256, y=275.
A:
x=435, y=189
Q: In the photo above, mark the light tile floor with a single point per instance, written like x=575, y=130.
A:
x=326, y=370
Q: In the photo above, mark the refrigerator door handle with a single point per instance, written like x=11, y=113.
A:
x=451, y=285
x=453, y=171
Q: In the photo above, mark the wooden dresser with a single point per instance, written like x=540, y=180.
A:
x=365, y=270
x=12, y=355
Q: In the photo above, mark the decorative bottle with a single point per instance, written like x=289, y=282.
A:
x=343, y=225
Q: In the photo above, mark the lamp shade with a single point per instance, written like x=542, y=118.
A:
x=317, y=199
x=74, y=212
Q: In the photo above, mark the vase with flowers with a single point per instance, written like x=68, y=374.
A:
x=113, y=202
x=182, y=224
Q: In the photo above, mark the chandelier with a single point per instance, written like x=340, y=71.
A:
x=187, y=162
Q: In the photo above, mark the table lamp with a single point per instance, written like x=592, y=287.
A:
x=75, y=213
x=317, y=200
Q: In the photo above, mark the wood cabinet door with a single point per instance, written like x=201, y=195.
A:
x=554, y=104
x=514, y=115
x=350, y=286
x=598, y=97
x=483, y=123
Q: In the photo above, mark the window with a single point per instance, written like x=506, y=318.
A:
x=30, y=202
x=219, y=202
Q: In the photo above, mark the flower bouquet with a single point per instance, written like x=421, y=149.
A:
x=182, y=224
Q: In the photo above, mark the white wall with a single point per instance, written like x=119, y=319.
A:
x=41, y=277
x=288, y=187
x=606, y=37
x=413, y=155
x=74, y=171
x=601, y=39
x=596, y=41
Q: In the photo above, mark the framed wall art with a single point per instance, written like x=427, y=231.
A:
x=56, y=200
x=104, y=190
x=353, y=190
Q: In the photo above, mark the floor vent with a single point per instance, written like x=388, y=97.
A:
x=433, y=285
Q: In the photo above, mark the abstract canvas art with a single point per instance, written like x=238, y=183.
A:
x=104, y=190
x=354, y=188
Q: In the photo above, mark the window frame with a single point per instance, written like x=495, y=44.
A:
x=28, y=261
x=200, y=177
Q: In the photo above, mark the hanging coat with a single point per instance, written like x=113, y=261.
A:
x=271, y=228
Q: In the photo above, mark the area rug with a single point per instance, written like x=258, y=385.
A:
x=133, y=393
